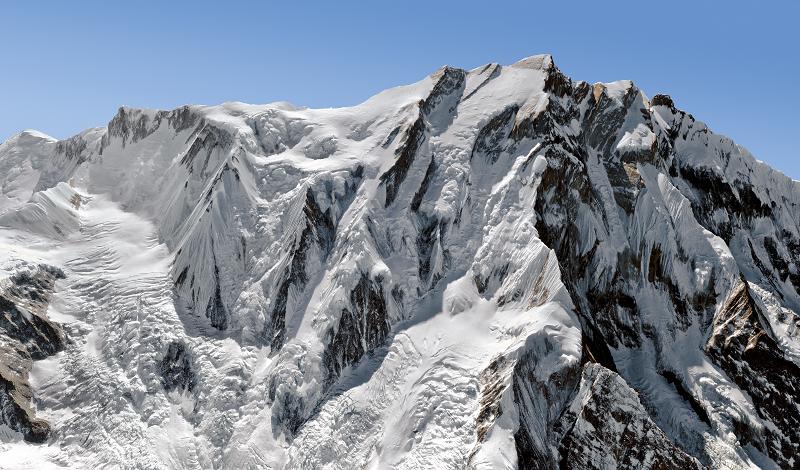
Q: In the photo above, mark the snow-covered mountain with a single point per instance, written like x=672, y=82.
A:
x=494, y=268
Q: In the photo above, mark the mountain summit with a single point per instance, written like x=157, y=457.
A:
x=493, y=268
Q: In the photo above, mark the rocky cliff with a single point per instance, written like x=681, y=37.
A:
x=493, y=268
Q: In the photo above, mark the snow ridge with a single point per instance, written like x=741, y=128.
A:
x=494, y=268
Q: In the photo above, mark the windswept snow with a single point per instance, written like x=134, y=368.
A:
x=493, y=268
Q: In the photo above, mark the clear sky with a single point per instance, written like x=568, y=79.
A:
x=66, y=66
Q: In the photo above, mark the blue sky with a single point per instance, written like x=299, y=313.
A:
x=67, y=66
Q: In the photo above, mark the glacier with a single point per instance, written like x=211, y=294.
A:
x=493, y=268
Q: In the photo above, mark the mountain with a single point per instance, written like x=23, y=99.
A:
x=494, y=268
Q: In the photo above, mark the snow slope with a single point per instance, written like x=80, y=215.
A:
x=494, y=268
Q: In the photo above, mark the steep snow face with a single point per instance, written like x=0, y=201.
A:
x=34, y=162
x=494, y=268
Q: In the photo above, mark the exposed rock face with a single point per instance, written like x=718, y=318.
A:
x=318, y=232
x=26, y=334
x=742, y=343
x=662, y=100
x=361, y=330
x=607, y=427
x=176, y=368
x=494, y=268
